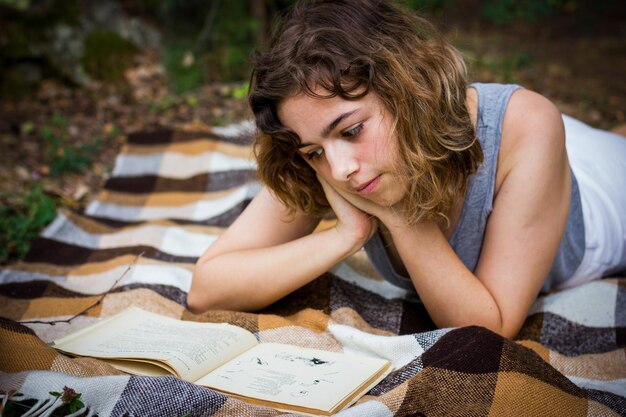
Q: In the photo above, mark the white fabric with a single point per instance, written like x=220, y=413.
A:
x=170, y=239
x=197, y=211
x=598, y=159
x=177, y=165
x=399, y=350
x=100, y=394
x=574, y=304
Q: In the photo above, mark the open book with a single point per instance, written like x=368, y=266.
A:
x=228, y=359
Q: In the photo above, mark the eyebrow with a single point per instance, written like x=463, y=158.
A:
x=331, y=126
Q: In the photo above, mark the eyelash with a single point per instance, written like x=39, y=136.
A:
x=349, y=134
x=314, y=154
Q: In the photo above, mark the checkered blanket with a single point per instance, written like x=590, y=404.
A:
x=170, y=195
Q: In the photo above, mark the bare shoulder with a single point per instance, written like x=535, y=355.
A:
x=532, y=130
x=532, y=117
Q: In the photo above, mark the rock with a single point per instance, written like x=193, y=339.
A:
x=22, y=173
x=66, y=46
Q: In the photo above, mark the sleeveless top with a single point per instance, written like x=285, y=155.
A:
x=467, y=238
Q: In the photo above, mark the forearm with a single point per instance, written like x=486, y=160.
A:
x=251, y=279
x=452, y=295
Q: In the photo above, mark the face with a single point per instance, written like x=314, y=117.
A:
x=348, y=143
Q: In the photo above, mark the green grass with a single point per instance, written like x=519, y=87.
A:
x=61, y=157
x=23, y=222
x=27, y=211
x=184, y=75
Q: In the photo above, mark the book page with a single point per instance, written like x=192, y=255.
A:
x=139, y=367
x=191, y=348
x=292, y=375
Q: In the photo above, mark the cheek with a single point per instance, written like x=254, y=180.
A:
x=382, y=145
x=384, y=150
x=393, y=150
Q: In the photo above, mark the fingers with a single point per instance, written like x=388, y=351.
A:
x=345, y=202
x=351, y=220
x=337, y=202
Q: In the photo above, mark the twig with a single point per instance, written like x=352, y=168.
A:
x=97, y=303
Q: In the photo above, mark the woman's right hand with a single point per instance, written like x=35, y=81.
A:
x=352, y=223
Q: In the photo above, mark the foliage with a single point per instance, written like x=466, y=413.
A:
x=26, y=25
x=63, y=158
x=184, y=75
x=210, y=41
x=502, y=67
x=22, y=223
x=107, y=55
x=241, y=92
x=71, y=400
x=230, y=48
x=503, y=11
x=429, y=5
x=32, y=209
x=16, y=4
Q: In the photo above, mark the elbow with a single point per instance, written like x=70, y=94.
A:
x=511, y=331
x=508, y=333
x=210, y=290
x=505, y=329
x=194, y=303
x=504, y=322
x=499, y=330
x=501, y=325
x=198, y=297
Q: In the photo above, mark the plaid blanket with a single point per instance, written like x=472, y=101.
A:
x=170, y=195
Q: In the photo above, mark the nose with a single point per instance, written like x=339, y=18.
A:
x=342, y=160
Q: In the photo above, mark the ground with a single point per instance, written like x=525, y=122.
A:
x=582, y=74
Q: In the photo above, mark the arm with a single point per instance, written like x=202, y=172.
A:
x=522, y=236
x=262, y=257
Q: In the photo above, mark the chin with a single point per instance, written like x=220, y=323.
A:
x=387, y=201
x=392, y=195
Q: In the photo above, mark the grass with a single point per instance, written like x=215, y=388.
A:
x=23, y=222
x=30, y=209
x=63, y=158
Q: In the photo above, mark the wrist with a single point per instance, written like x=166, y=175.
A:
x=351, y=241
x=394, y=220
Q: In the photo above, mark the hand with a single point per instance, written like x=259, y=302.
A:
x=357, y=225
x=391, y=217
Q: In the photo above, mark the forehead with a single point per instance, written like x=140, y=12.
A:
x=303, y=107
x=303, y=112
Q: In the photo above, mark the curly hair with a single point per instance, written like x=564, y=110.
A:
x=350, y=48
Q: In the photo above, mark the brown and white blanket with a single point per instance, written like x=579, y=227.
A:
x=171, y=193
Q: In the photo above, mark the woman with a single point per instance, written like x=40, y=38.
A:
x=462, y=194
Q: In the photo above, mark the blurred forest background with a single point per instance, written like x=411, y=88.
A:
x=77, y=76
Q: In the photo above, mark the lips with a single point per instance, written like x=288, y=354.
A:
x=368, y=187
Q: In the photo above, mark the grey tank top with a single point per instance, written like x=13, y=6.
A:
x=467, y=238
